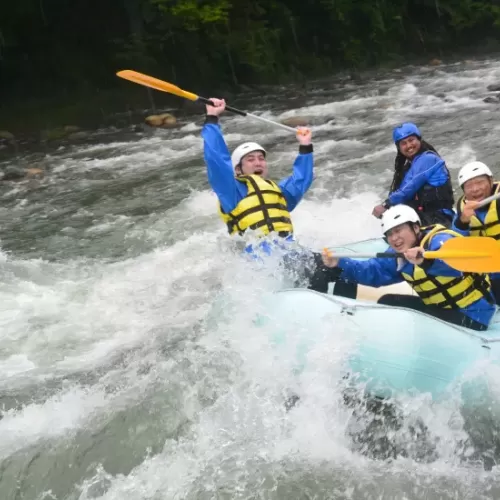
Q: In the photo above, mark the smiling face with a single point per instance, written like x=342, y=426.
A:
x=409, y=146
x=253, y=163
x=403, y=237
x=478, y=188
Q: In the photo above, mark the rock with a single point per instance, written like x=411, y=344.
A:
x=71, y=128
x=165, y=120
x=153, y=120
x=78, y=136
x=70, y=132
x=34, y=173
x=241, y=86
x=53, y=134
x=494, y=87
x=168, y=120
x=296, y=121
x=355, y=76
x=491, y=100
x=435, y=62
x=13, y=174
x=8, y=136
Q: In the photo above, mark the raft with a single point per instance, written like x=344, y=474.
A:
x=395, y=350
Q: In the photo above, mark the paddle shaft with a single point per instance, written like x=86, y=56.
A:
x=378, y=255
x=491, y=198
x=236, y=111
x=433, y=254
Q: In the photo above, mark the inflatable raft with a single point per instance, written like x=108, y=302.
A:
x=396, y=350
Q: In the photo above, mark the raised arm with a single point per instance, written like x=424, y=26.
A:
x=296, y=185
x=220, y=171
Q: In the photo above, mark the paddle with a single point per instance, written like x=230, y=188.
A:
x=154, y=83
x=470, y=254
x=491, y=198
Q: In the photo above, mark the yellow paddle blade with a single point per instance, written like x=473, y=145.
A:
x=154, y=83
x=472, y=254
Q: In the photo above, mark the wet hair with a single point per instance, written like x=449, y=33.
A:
x=402, y=164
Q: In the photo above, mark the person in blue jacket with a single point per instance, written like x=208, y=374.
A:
x=248, y=200
x=476, y=180
x=421, y=179
x=460, y=298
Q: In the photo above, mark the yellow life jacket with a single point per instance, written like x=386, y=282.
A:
x=263, y=208
x=491, y=225
x=446, y=291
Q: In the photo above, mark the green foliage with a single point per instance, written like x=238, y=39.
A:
x=192, y=14
x=52, y=47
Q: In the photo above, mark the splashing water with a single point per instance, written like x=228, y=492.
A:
x=131, y=363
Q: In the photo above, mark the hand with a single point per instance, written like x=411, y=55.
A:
x=468, y=211
x=220, y=106
x=378, y=211
x=304, y=136
x=414, y=255
x=328, y=259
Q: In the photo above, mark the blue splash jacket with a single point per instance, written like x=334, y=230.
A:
x=382, y=272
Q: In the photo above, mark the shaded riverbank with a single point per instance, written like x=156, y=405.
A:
x=42, y=125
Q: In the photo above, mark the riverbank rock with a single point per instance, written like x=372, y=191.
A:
x=70, y=129
x=78, y=136
x=34, y=173
x=53, y=134
x=6, y=135
x=13, y=174
x=70, y=132
x=296, y=121
x=165, y=120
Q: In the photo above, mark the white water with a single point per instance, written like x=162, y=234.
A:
x=116, y=382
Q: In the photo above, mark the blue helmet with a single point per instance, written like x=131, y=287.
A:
x=405, y=130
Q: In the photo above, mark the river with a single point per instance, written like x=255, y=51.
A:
x=115, y=379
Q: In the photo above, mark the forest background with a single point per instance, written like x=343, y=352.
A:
x=58, y=59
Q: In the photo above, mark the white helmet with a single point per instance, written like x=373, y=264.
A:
x=244, y=149
x=471, y=170
x=398, y=214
